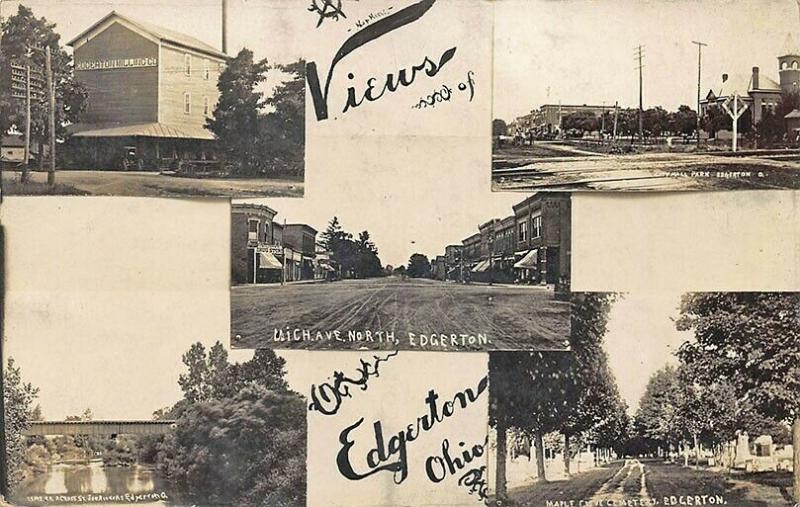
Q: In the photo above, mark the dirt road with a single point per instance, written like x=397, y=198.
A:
x=649, y=482
x=418, y=312
x=151, y=184
x=648, y=171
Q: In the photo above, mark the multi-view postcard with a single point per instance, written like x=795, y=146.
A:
x=640, y=96
x=304, y=277
x=166, y=99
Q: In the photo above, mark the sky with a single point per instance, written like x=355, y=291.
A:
x=583, y=52
x=641, y=339
x=266, y=27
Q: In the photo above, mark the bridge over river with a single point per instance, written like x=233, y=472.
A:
x=101, y=428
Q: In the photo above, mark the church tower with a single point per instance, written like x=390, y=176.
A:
x=789, y=65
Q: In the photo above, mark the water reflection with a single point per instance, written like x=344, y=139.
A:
x=94, y=478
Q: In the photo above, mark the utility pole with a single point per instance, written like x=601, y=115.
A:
x=639, y=55
x=699, y=61
x=603, y=123
x=225, y=26
x=51, y=90
x=283, y=249
x=25, y=168
x=616, y=114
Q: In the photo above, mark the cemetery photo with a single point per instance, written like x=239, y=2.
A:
x=137, y=99
x=684, y=98
x=663, y=399
x=305, y=277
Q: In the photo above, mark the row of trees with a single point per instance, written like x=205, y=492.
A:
x=574, y=394
x=258, y=135
x=741, y=372
x=357, y=257
x=656, y=122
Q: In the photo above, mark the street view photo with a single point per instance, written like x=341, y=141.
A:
x=138, y=99
x=663, y=399
x=316, y=284
x=234, y=432
x=661, y=95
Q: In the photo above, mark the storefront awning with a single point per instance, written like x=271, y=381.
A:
x=530, y=261
x=481, y=267
x=268, y=261
x=327, y=267
x=158, y=130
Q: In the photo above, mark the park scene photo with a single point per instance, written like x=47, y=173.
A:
x=682, y=399
x=681, y=99
x=301, y=280
x=137, y=99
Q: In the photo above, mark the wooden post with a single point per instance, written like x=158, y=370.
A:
x=735, y=120
x=699, y=56
x=51, y=90
x=283, y=268
x=25, y=169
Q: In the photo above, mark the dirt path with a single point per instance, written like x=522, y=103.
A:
x=629, y=482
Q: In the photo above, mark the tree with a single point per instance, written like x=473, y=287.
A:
x=499, y=128
x=211, y=376
x=683, y=121
x=24, y=38
x=593, y=399
x=750, y=340
x=236, y=118
x=418, y=266
x=282, y=139
x=657, y=419
x=541, y=392
x=18, y=398
x=245, y=450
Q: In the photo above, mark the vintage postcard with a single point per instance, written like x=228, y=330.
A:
x=305, y=278
x=639, y=96
x=164, y=99
x=664, y=399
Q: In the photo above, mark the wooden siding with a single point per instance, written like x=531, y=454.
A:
x=119, y=95
x=175, y=83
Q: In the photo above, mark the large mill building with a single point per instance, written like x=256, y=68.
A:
x=150, y=90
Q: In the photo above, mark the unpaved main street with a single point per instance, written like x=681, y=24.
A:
x=510, y=317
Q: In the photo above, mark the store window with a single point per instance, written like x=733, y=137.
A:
x=252, y=229
x=537, y=227
x=523, y=231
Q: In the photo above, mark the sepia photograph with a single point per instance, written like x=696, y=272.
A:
x=660, y=95
x=139, y=99
x=663, y=399
x=233, y=434
x=303, y=281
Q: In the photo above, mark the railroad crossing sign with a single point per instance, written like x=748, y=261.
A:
x=735, y=110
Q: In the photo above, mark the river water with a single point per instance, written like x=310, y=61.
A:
x=94, y=483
